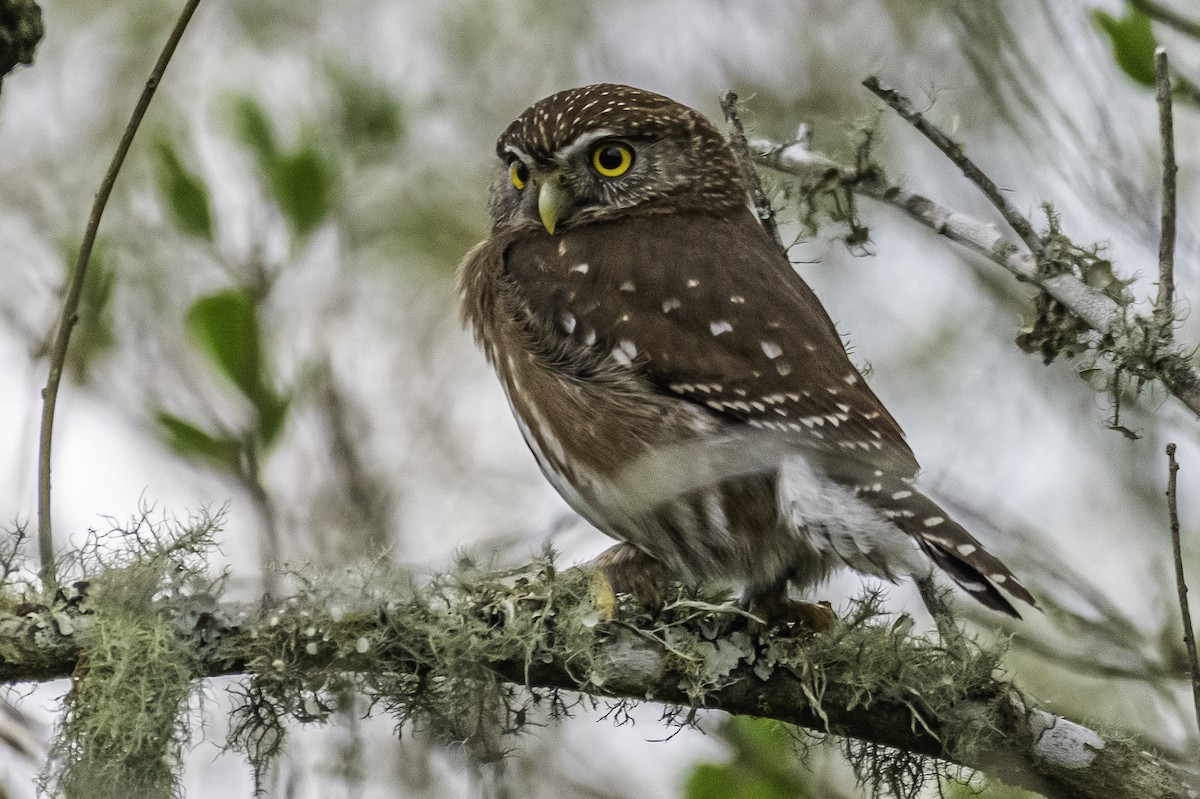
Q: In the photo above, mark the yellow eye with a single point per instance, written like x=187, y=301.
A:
x=519, y=174
x=611, y=159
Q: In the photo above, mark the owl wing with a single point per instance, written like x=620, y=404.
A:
x=709, y=311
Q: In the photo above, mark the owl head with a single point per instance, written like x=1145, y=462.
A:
x=605, y=151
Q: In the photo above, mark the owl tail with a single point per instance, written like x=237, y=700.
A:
x=950, y=546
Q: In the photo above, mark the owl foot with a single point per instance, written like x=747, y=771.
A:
x=779, y=612
x=627, y=570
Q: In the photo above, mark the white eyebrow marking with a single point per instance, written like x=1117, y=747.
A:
x=582, y=142
x=513, y=149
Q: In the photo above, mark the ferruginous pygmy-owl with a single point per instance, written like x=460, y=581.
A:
x=677, y=381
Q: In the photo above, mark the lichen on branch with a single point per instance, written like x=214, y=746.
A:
x=473, y=657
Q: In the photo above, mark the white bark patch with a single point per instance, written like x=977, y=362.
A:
x=1063, y=743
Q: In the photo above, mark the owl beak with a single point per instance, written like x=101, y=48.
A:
x=553, y=200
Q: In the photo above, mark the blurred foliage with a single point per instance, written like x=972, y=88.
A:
x=763, y=765
x=185, y=192
x=369, y=115
x=94, y=334
x=1133, y=43
x=186, y=439
x=225, y=325
x=302, y=179
x=953, y=790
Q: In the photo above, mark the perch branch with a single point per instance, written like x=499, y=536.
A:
x=1164, y=304
x=1189, y=632
x=995, y=729
x=737, y=140
x=70, y=309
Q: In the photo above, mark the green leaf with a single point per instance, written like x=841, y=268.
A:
x=188, y=440
x=95, y=331
x=370, y=114
x=713, y=781
x=303, y=185
x=272, y=412
x=187, y=196
x=1133, y=43
x=255, y=131
x=225, y=325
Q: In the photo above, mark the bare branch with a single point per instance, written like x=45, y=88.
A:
x=737, y=140
x=1164, y=304
x=1099, y=311
x=955, y=153
x=58, y=353
x=1189, y=632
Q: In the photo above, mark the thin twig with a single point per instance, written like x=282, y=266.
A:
x=1167, y=17
x=1164, y=304
x=58, y=353
x=1098, y=310
x=1189, y=633
x=737, y=140
x=901, y=105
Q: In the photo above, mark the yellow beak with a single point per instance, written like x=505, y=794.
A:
x=553, y=199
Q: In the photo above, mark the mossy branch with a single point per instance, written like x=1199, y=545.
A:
x=470, y=654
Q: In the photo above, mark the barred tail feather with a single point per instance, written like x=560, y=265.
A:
x=948, y=544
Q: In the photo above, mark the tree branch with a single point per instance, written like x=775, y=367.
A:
x=954, y=152
x=737, y=140
x=1164, y=304
x=1189, y=633
x=1100, y=312
x=862, y=680
x=62, y=338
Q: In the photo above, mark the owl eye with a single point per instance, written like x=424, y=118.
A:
x=611, y=159
x=519, y=174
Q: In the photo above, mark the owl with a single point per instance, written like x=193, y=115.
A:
x=677, y=381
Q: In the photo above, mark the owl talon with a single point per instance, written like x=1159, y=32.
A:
x=628, y=570
x=801, y=618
